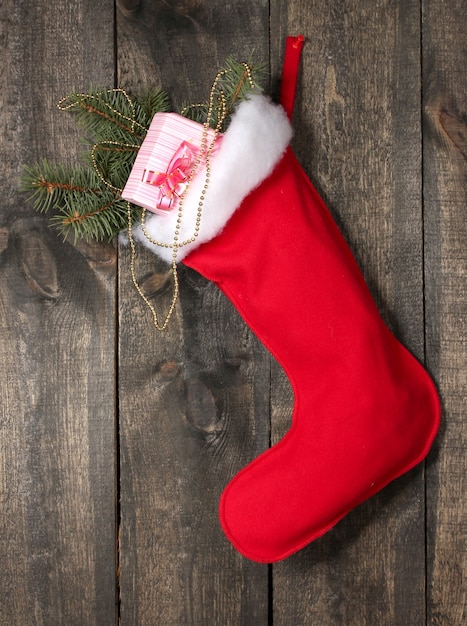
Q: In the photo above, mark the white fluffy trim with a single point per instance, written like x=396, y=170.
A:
x=251, y=147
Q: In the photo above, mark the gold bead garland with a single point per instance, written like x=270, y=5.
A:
x=88, y=96
x=205, y=152
x=203, y=155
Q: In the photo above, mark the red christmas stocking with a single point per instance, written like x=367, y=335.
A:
x=365, y=411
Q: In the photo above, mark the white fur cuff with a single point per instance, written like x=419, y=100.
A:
x=251, y=147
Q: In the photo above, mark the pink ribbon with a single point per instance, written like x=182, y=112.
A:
x=172, y=183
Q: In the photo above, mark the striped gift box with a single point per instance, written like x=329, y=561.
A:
x=156, y=179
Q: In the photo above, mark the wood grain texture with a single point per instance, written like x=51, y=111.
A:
x=380, y=127
x=194, y=400
x=445, y=193
x=57, y=545
x=359, y=138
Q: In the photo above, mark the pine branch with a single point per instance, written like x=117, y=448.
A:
x=233, y=84
x=113, y=115
x=86, y=198
x=148, y=104
x=102, y=217
x=48, y=185
x=113, y=162
x=81, y=201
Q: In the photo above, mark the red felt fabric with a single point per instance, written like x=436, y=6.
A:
x=365, y=411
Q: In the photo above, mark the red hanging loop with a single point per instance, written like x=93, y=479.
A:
x=293, y=51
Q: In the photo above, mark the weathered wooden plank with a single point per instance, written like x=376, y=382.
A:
x=358, y=107
x=194, y=400
x=445, y=186
x=56, y=338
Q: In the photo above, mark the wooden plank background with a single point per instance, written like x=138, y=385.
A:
x=115, y=441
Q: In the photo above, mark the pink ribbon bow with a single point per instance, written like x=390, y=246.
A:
x=172, y=183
